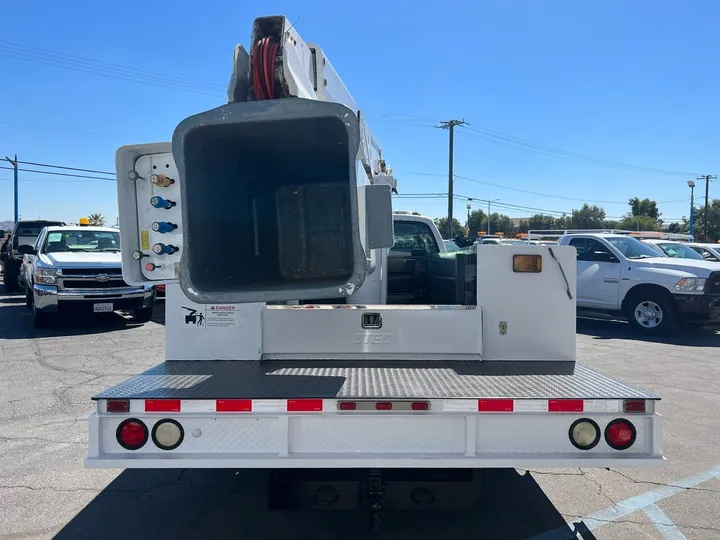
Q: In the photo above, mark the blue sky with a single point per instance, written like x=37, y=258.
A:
x=629, y=82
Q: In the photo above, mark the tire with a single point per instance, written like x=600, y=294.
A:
x=11, y=272
x=28, y=298
x=650, y=313
x=40, y=319
x=143, y=315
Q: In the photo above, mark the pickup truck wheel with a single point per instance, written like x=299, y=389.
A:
x=143, y=315
x=650, y=314
x=11, y=271
x=28, y=298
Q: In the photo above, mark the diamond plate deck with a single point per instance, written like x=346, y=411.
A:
x=377, y=379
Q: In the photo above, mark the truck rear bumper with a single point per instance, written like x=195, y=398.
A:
x=432, y=440
x=379, y=414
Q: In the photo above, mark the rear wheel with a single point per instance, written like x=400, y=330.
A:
x=650, y=313
x=143, y=315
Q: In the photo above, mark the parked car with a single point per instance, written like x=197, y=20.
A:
x=75, y=267
x=677, y=250
x=24, y=233
x=709, y=252
x=620, y=274
x=450, y=245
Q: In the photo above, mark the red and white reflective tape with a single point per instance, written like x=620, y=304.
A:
x=532, y=405
x=333, y=405
x=227, y=405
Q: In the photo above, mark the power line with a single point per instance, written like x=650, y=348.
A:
x=500, y=186
x=505, y=139
x=141, y=76
x=62, y=174
x=66, y=168
x=106, y=69
x=558, y=152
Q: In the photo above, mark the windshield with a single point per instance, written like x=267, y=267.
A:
x=81, y=240
x=512, y=242
x=680, y=251
x=632, y=248
x=450, y=245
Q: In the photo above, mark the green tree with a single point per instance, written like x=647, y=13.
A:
x=680, y=228
x=588, y=217
x=564, y=222
x=541, y=221
x=611, y=224
x=96, y=219
x=638, y=223
x=644, y=207
x=476, y=223
x=443, y=226
x=500, y=223
x=713, y=222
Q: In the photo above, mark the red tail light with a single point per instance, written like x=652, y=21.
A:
x=347, y=406
x=420, y=406
x=635, y=405
x=132, y=434
x=384, y=405
x=118, y=405
x=620, y=434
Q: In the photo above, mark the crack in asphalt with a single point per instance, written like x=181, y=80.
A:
x=662, y=484
x=107, y=489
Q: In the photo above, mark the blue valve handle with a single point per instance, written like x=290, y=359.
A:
x=162, y=249
x=163, y=227
x=159, y=202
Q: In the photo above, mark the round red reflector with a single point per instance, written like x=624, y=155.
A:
x=132, y=434
x=620, y=434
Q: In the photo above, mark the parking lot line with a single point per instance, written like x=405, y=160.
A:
x=628, y=506
x=663, y=523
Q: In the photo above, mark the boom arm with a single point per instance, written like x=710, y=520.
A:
x=301, y=70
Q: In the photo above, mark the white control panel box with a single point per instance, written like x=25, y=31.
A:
x=150, y=213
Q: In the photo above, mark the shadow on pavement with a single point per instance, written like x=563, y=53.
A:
x=229, y=504
x=686, y=336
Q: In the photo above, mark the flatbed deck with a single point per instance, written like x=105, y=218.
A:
x=225, y=379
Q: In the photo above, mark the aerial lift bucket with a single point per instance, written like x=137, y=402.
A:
x=269, y=202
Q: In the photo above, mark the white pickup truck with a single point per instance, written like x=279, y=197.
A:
x=618, y=273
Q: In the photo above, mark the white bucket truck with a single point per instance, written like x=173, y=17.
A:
x=270, y=218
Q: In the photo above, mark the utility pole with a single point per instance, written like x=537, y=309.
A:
x=691, y=184
x=488, y=216
x=450, y=125
x=707, y=179
x=15, y=183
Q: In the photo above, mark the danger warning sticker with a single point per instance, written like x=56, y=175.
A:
x=221, y=316
x=217, y=316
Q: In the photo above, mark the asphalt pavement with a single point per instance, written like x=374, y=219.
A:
x=48, y=376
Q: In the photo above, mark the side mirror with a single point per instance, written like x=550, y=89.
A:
x=26, y=249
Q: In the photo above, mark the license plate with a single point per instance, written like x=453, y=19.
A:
x=102, y=308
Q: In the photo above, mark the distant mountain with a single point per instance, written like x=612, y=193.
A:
x=6, y=225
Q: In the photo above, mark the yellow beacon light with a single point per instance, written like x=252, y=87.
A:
x=84, y=221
